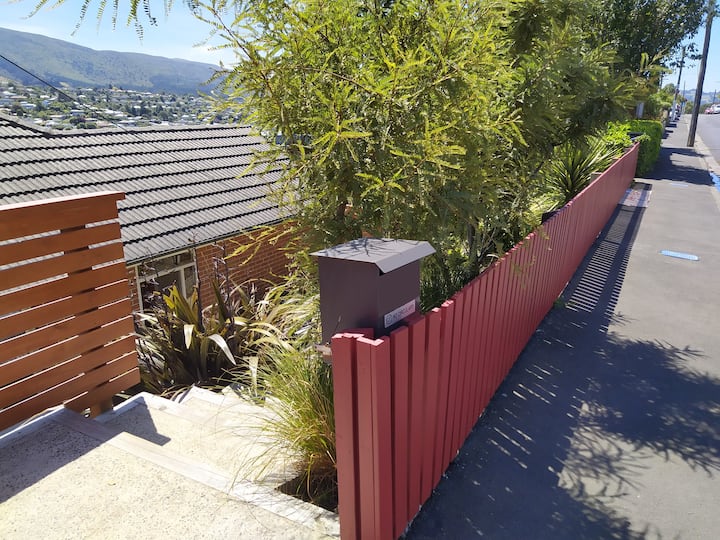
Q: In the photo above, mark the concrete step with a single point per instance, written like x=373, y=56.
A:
x=92, y=481
x=227, y=433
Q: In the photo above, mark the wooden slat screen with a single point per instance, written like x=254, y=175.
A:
x=66, y=332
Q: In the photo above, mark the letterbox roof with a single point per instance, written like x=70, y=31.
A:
x=385, y=253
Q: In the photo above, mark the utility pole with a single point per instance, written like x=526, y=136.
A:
x=701, y=75
x=677, y=87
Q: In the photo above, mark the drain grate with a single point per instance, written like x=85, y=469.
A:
x=679, y=255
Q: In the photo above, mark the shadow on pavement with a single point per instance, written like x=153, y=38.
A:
x=671, y=166
x=560, y=439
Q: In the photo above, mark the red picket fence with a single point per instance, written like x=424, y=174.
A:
x=404, y=404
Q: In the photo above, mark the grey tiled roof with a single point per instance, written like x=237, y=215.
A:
x=181, y=183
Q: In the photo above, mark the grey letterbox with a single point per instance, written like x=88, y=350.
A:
x=369, y=283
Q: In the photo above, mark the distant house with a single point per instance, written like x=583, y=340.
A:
x=188, y=195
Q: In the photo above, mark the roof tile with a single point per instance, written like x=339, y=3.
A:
x=182, y=184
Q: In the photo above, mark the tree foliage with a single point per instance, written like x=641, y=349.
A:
x=413, y=119
x=655, y=28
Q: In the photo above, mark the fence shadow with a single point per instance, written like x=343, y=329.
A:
x=557, y=443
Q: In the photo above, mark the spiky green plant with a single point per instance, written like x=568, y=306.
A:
x=294, y=382
x=179, y=347
x=570, y=171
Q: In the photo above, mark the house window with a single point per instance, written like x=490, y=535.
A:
x=155, y=277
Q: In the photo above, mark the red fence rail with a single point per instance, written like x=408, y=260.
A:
x=404, y=404
x=66, y=329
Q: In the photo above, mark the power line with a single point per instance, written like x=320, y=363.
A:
x=33, y=75
x=92, y=110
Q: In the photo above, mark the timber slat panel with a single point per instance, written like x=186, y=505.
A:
x=66, y=329
x=126, y=366
x=107, y=390
x=43, y=359
x=62, y=264
x=26, y=219
x=56, y=243
x=61, y=309
x=62, y=288
x=22, y=389
x=56, y=333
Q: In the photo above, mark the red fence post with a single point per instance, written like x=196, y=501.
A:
x=400, y=375
x=432, y=383
x=441, y=443
x=417, y=398
x=455, y=405
x=344, y=396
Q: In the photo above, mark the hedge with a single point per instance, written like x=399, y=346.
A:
x=652, y=132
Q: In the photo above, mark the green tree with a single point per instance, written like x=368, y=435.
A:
x=412, y=119
x=655, y=28
x=415, y=119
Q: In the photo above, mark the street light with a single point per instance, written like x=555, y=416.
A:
x=674, y=115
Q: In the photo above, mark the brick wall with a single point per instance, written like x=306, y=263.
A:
x=261, y=256
x=254, y=256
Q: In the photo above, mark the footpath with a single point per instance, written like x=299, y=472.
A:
x=608, y=426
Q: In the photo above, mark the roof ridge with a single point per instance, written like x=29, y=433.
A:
x=22, y=123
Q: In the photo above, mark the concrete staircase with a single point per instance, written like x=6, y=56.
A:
x=202, y=466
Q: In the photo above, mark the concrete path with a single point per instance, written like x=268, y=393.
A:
x=608, y=426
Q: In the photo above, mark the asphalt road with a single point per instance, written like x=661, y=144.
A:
x=709, y=131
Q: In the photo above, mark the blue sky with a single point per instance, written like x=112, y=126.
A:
x=176, y=35
x=173, y=37
x=712, y=73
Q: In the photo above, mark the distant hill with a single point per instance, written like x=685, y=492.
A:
x=59, y=62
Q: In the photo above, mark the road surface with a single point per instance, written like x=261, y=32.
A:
x=709, y=131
